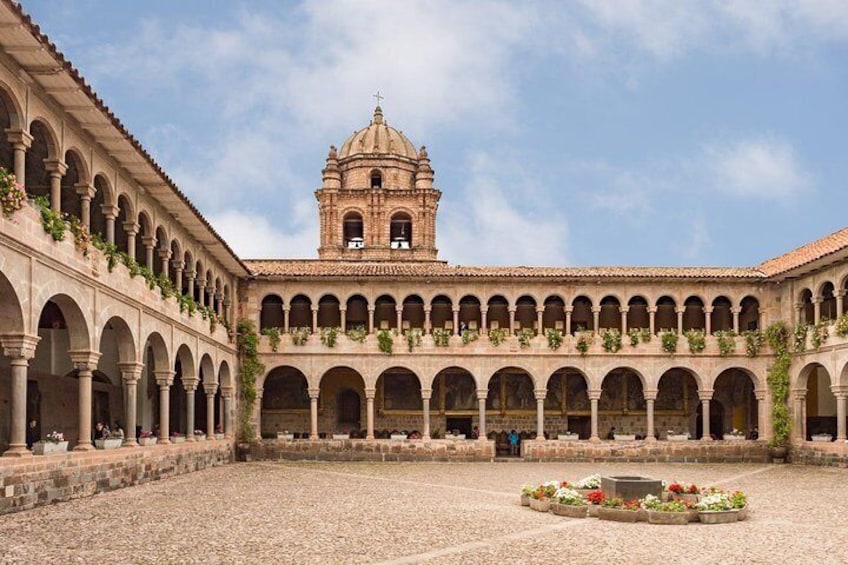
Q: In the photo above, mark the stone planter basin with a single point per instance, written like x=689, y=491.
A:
x=341, y=436
x=49, y=448
x=397, y=437
x=285, y=436
x=823, y=437
x=677, y=437
x=540, y=505
x=731, y=437
x=568, y=437
x=618, y=515
x=108, y=443
x=625, y=437
x=569, y=511
x=630, y=487
x=147, y=440
x=668, y=518
x=718, y=516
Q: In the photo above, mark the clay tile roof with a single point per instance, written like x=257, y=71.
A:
x=333, y=269
x=828, y=245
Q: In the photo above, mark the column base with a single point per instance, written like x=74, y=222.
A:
x=426, y=437
x=707, y=439
x=17, y=451
x=130, y=443
x=314, y=437
x=650, y=439
x=163, y=441
x=84, y=447
x=370, y=437
x=190, y=439
x=595, y=439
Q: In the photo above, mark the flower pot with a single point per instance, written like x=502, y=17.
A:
x=108, y=443
x=743, y=513
x=617, y=514
x=625, y=437
x=718, y=516
x=49, y=447
x=397, y=437
x=570, y=511
x=525, y=500
x=147, y=440
x=778, y=453
x=668, y=518
x=540, y=504
x=341, y=436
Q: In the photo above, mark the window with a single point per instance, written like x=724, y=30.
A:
x=353, y=231
x=376, y=179
x=400, y=232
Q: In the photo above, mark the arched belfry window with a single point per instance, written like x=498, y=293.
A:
x=376, y=179
x=353, y=231
x=400, y=233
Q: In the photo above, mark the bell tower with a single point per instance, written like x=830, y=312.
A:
x=377, y=201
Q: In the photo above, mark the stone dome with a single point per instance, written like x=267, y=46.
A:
x=378, y=139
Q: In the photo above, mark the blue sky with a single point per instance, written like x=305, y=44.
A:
x=634, y=132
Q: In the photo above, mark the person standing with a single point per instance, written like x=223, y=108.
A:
x=32, y=434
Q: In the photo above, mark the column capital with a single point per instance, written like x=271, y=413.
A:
x=512, y=309
x=427, y=309
x=84, y=360
x=131, y=227
x=680, y=310
x=839, y=390
x=736, y=310
x=372, y=309
x=190, y=384
x=623, y=309
x=540, y=394
x=110, y=211
x=227, y=391
x=165, y=253
x=540, y=309
x=483, y=309
x=652, y=309
x=178, y=264
x=650, y=394
x=149, y=240
x=19, y=137
x=596, y=309
x=594, y=394
x=568, y=308
x=399, y=309
x=760, y=393
x=342, y=308
x=426, y=393
x=164, y=378
x=455, y=310
x=839, y=292
x=313, y=393
x=799, y=393
x=19, y=346
x=370, y=393
x=85, y=189
x=705, y=394
x=482, y=393
x=708, y=309
x=130, y=371
x=210, y=388
x=55, y=167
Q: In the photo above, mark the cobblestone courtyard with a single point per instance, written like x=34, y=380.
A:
x=269, y=512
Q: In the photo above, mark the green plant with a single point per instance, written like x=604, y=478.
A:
x=247, y=342
x=150, y=278
x=726, y=342
x=777, y=336
x=819, y=334
x=842, y=325
x=299, y=336
x=166, y=287
x=646, y=335
x=12, y=193
x=697, y=340
x=633, y=334
x=754, y=341
x=469, y=335
x=525, y=335
x=497, y=336
x=585, y=340
x=273, y=335
x=669, y=341
x=611, y=340
x=385, y=341
x=441, y=337
x=357, y=333
x=187, y=303
x=554, y=338
x=413, y=338
x=82, y=237
x=329, y=336
x=50, y=220
x=800, y=338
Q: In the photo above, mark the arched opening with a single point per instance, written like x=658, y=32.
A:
x=567, y=406
x=201, y=410
x=184, y=371
x=385, y=313
x=343, y=391
x=582, y=318
x=329, y=312
x=43, y=149
x=721, y=319
x=734, y=397
x=828, y=302
x=821, y=403
x=807, y=309
x=7, y=115
x=74, y=181
x=622, y=408
x=610, y=315
x=441, y=312
x=125, y=215
x=13, y=323
x=470, y=315
x=554, y=315
x=356, y=315
x=525, y=313
x=693, y=314
x=498, y=313
x=637, y=314
x=300, y=313
x=101, y=196
x=666, y=316
x=271, y=315
x=160, y=254
x=285, y=403
x=148, y=407
x=376, y=178
x=353, y=231
x=749, y=316
x=399, y=403
x=177, y=263
x=116, y=346
x=454, y=397
x=511, y=405
x=677, y=404
x=143, y=240
x=401, y=231
x=413, y=312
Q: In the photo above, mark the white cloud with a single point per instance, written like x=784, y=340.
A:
x=502, y=219
x=252, y=236
x=693, y=240
x=764, y=167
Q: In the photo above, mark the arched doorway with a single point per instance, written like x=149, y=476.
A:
x=348, y=410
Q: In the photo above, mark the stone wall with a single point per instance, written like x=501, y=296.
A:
x=654, y=452
x=378, y=450
x=832, y=454
x=39, y=480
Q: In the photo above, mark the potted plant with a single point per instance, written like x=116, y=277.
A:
x=177, y=437
x=540, y=499
x=568, y=502
x=12, y=193
x=595, y=499
x=716, y=508
x=54, y=442
x=526, y=492
x=199, y=435
x=619, y=510
x=554, y=338
x=588, y=484
x=672, y=513
x=740, y=502
x=735, y=435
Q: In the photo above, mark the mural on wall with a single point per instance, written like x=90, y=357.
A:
x=510, y=391
x=401, y=391
x=285, y=391
x=567, y=390
x=622, y=391
x=460, y=392
x=670, y=393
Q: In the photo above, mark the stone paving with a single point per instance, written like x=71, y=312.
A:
x=282, y=512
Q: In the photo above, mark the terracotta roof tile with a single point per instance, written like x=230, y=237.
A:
x=331, y=269
x=806, y=254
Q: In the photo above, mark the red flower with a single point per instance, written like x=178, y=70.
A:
x=693, y=489
x=675, y=488
x=596, y=497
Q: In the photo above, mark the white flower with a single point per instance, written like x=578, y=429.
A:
x=590, y=482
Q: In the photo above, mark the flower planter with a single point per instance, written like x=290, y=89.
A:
x=341, y=436
x=570, y=511
x=677, y=437
x=178, y=439
x=668, y=518
x=108, y=443
x=823, y=437
x=618, y=515
x=49, y=447
x=585, y=491
x=221, y=436
x=540, y=504
x=625, y=437
x=742, y=513
x=525, y=500
x=199, y=437
x=690, y=498
x=147, y=440
x=731, y=437
x=568, y=437
x=281, y=435
x=397, y=437
x=693, y=515
x=718, y=516
x=454, y=436
x=592, y=511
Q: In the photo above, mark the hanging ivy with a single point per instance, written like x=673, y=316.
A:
x=248, y=349
x=777, y=336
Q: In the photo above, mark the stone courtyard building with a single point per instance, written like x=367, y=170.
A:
x=376, y=338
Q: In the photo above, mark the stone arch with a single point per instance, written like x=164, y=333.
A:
x=554, y=315
x=511, y=389
x=441, y=312
x=207, y=373
x=694, y=317
x=805, y=298
x=74, y=320
x=721, y=318
x=356, y=312
x=827, y=309
x=342, y=389
x=185, y=358
x=470, y=314
x=224, y=376
x=400, y=230
x=677, y=401
x=622, y=406
x=497, y=315
x=285, y=401
x=666, y=316
x=300, y=311
x=116, y=332
x=454, y=390
x=734, y=389
x=637, y=313
x=329, y=311
x=44, y=148
x=567, y=405
x=398, y=388
x=11, y=107
x=102, y=197
x=163, y=246
x=353, y=229
x=385, y=315
x=11, y=309
x=525, y=312
x=749, y=314
x=145, y=232
x=412, y=315
x=75, y=178
x=582, y=317
x=610, y=314
x=126, y=215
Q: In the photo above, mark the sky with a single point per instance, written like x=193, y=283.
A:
x=633, y=132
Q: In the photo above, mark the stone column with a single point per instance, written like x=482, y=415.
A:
x=149, y=243
x=763, y=427
x=219, y=309
x=428, y=327
x=85, y=362
x=540, y=320
x=511, y=321
x=86, y=193
x=799, y=313
x=313, y=413
x=190, y=385
x=680, y=312
x=594, y=396
x=484, y=320
x=568, y=311
x=110, y=213
x=226, y=413
x=596, y=319
x=20, y=141
x=369, y=413
x=839, y=293
x=189, y=279
x=399, y=320
x=286, y=312
x=257, y=414
x=817, y=302
x=57, y=169
x=624, y=310
x=130, y=374
x=652, y=320
x=481, y=408
x=650, y=397
x=164, y=379
x=201, y=292
x=315, y=320
x=708, y=320
x=456, y=320
x=19, y=349
x=177, y=264
x=131, y=228
x=210, y=391
x=343, y=318
x=425, y=403
x=540, y=413
x=371, y=310
x=705, y=396
x=840, y=415
x=799, y=395
x=735, y=312
x=165, y=257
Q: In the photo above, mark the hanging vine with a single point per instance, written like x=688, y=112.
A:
x=251, y=368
